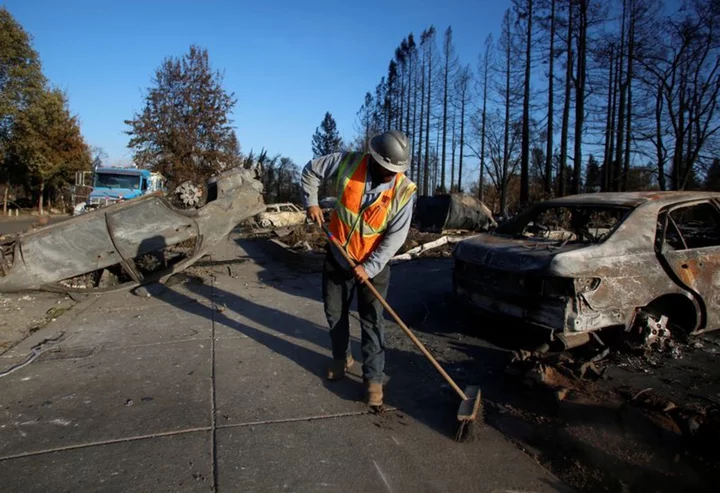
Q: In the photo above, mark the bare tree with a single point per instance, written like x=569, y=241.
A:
x=390, y=105
x=450, y=66
x=453, y=148
x=510, y=93
x=579, y=82
x=562, y=180
x=412, y=84
x=524, y=10
x=551, y=101
x=688, y=77
x=609, y=120
x=401, y=60
x=485, y=67
x=508, y=53
x=364, y=122
x=621, y=110
x=629, y=78
x=463, y=93
x=429, y=47
x=421, y=175
x=503, y=145
x=641, y=32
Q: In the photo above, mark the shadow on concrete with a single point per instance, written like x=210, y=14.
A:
x=413, y=386
x=407, y=388
x=421, y=292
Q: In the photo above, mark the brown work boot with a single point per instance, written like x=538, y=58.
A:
x=374, y=394
x=339, y=366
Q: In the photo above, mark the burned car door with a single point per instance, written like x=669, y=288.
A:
x=690, y=250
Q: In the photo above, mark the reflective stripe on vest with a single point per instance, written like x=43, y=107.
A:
x=360, y=229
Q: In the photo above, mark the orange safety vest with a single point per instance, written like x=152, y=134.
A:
x=359, y=229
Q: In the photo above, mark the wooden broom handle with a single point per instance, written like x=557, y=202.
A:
x=399, y=321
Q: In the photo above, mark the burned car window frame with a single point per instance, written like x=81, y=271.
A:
x=666, y=221
x=515, y=227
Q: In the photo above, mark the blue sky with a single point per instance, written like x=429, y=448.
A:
x=286, y=61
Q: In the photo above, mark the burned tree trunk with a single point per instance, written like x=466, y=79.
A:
x=607, y=160
x=562, y=182
x=580, y=91
x=551, y=100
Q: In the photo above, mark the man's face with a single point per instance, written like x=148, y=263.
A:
x=380, y=173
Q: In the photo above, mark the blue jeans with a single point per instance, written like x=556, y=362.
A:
x=339, y=287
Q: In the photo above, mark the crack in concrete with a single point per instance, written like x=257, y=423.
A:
x=213, y=406
x=184, y=432
x=104, y=442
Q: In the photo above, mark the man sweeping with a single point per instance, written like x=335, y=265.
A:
x=371, y=219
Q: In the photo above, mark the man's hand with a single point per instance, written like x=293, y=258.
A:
x=315, y=214
x=360, y=273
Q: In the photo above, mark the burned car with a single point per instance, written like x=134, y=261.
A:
x=648, y=261
x=280, y=215
x=128, y=243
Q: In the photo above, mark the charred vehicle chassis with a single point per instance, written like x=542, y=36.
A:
x=583, y=263
x=129, y=243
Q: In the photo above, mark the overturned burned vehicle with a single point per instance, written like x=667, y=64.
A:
x=647, y=261
x=129, y=243
x=457, y=211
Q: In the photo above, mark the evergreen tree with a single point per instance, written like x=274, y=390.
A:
x=185, y=130
x=712, y=180
x=593, y=179
x=326, y=139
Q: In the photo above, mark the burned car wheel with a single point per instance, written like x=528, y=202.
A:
x=188, y=195
x=665, y=318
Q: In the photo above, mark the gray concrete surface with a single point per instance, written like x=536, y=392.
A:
x=220, y=384
x=23, y=313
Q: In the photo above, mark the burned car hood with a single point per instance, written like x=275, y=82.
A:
x=507, y=253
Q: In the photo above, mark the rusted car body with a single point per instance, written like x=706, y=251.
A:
x=582, y=263
x=137, y=241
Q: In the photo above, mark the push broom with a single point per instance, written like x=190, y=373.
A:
x=471, y=403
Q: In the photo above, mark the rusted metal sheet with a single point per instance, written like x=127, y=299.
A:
x=118, y=235
x=699, y=272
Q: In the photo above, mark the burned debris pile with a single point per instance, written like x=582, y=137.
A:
x=674, y=382
x=439, y=222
